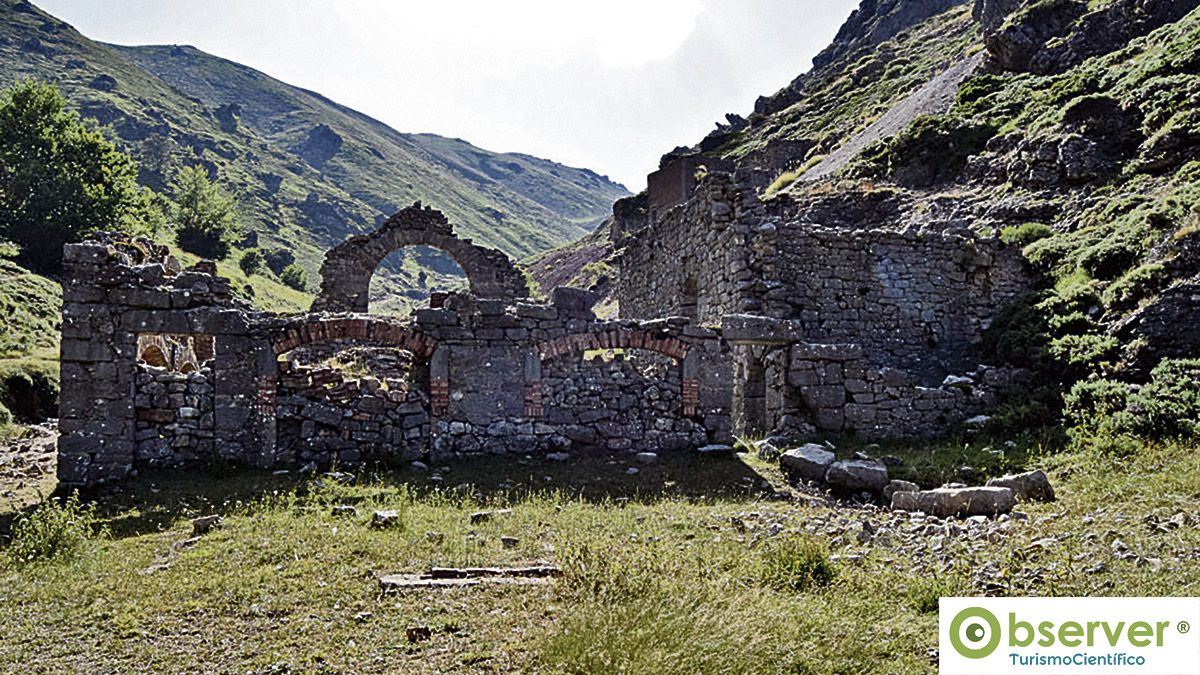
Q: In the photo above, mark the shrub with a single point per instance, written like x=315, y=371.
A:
x=1019, y=335
x=56, y=530
x=1167, y=406
x=203, y=216
x=1170, y=404
x=294, y=276
x=6, y=417
x=795, y=564
x=1138, y=283
x=252, y=262
x=1024, y=235
x=1086, y=352
x=1090, y=400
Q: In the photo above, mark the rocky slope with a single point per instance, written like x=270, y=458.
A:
x=1074, y=133
x=307, y=171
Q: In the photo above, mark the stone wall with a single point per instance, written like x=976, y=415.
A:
x=174, y=416
x=324, y=418
x=917, y=302
x=114, y=291
x=484, y=375
x=690, y=261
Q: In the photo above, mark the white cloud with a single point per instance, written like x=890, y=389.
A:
x=620, y=33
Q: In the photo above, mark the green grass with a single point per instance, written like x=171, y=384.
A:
x=31, y=306
x=664, y=571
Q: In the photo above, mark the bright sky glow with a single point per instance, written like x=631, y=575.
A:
x=608, y=85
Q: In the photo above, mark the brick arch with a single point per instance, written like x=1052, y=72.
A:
x=612, y=338
x=365, y=330
x=348, y=267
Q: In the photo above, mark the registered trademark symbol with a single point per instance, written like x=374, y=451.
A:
x=1184, y=627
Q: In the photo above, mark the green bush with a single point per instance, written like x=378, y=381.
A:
x=1168, y=406
x=56, y=530
x=60, y=179
x=1090, y=400
x=1019, y=335
x=794, y=563
x=6, y=417
x=204, y=216
x=294, y=276
x=1136, y=284
x=1024, y=235
x=252, y=262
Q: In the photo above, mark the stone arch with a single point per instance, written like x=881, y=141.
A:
x=348, y=267
x=361, y=329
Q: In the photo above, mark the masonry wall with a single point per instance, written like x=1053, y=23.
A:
x=174, y=415
x=485, y=375
x=691, y=261
x=916, y=302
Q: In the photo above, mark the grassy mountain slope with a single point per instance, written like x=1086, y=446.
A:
x=307, y=171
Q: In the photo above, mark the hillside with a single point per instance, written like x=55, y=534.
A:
x=1067, y=127
x=307, y=171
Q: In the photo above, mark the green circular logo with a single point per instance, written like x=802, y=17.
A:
x=975, y=633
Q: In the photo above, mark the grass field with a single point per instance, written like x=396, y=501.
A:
x=691, y=565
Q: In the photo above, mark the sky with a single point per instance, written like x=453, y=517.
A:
x=608, y=85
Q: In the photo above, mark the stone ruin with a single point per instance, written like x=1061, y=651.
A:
x=752, y=324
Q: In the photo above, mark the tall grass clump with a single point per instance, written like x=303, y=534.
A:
x=56, y=530
x=795, y=564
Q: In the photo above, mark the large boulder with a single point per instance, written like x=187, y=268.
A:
x=857, y=475
x=808, y=462
x=1029, y=486
x=962, y=502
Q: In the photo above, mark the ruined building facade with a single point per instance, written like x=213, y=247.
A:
x=736, y=320
x=869, y=331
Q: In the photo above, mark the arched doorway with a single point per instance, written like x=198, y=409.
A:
x=407, y=277
x=348, y=268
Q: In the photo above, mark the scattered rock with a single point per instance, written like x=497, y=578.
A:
x=509, y=542
x=808, y=462
x=485, y=516
x=961, y=502
x=715, y=449
x=856, y=475
x=558, y=456
x=345, y=511
x=385, y=519
x=647, y=457
x=418, y=633
x=898, y=486
x=632, y=471
x=1029, y=486
x=205, y=524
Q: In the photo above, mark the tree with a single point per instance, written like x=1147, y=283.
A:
x=59, y=179
x=204, y=215
x=252, y=262
x=295, y=277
